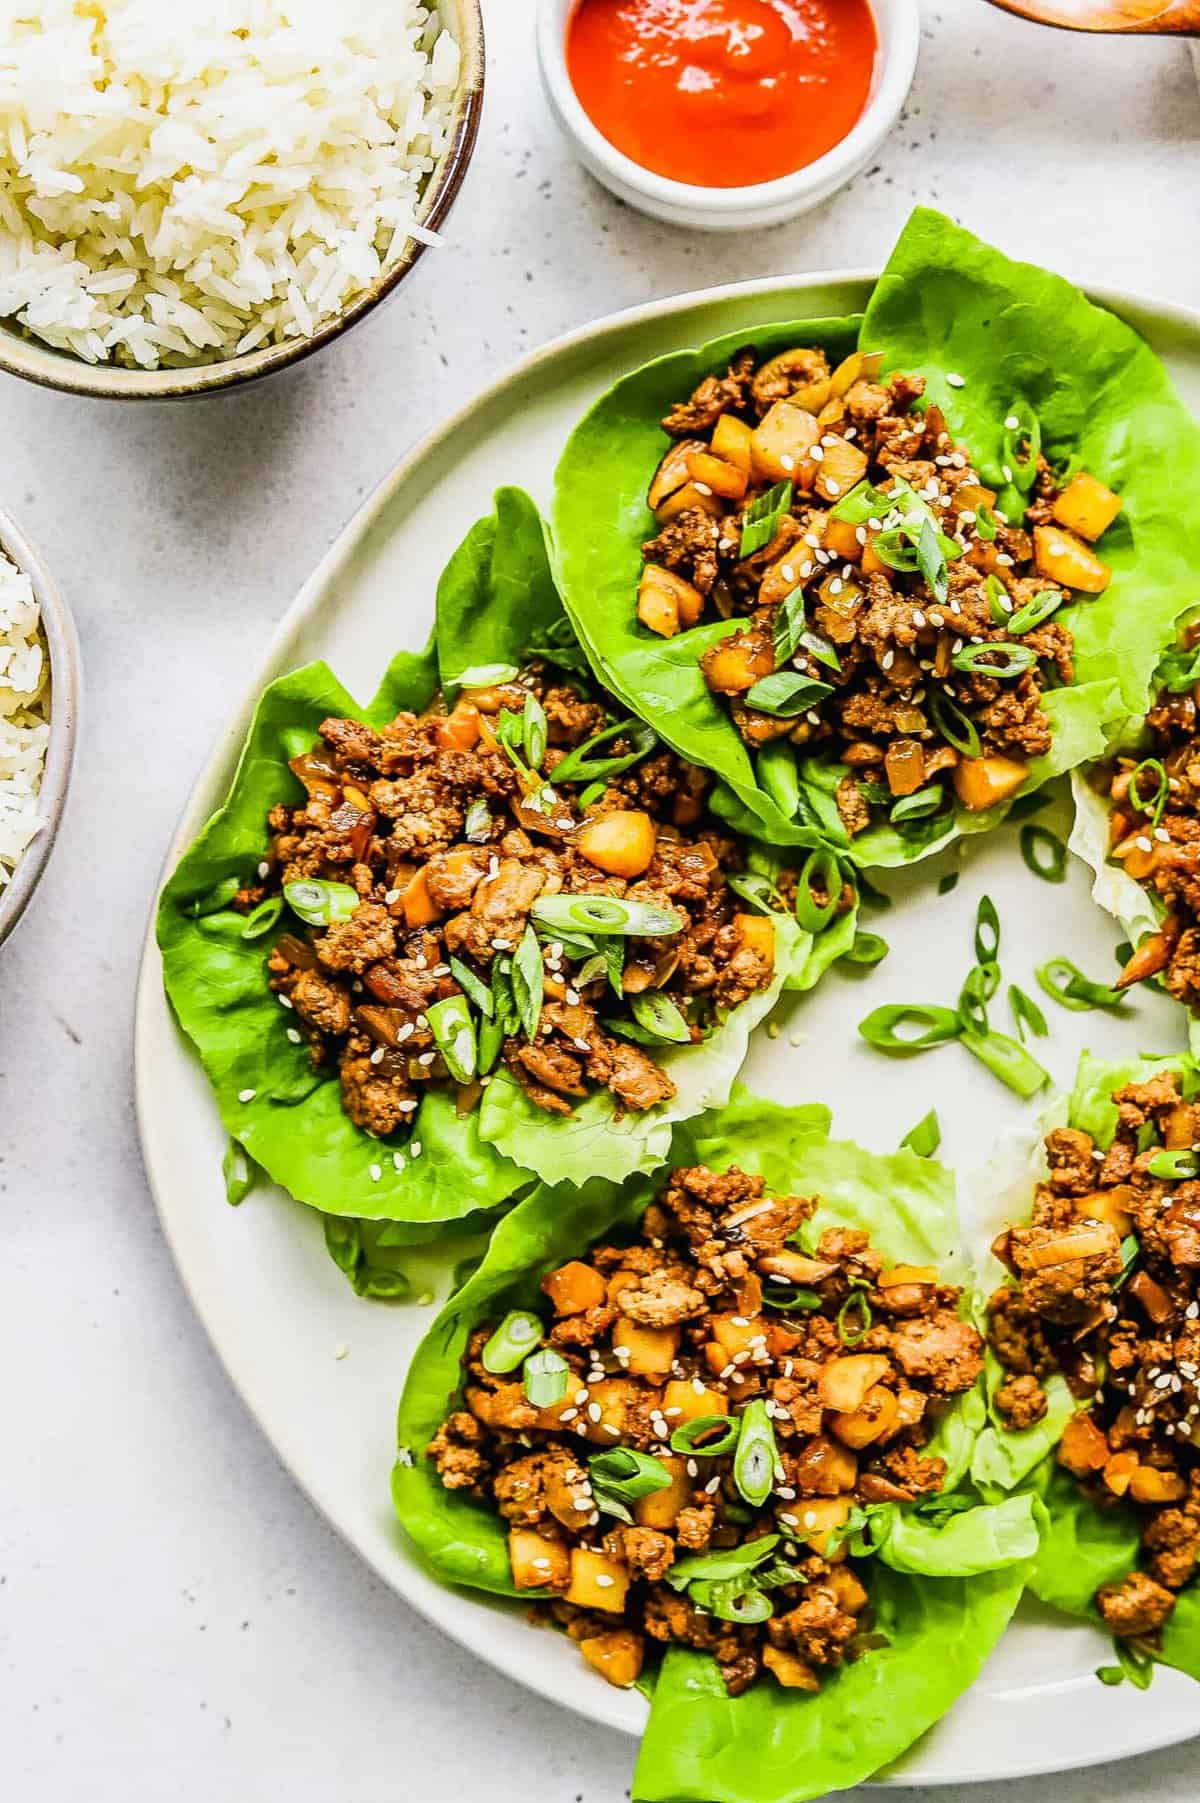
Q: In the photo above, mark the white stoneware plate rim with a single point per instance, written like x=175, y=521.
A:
x=1030, y=1737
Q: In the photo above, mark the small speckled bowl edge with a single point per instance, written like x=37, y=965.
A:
x=62, y=644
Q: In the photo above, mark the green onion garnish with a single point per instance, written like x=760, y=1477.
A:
x=719, y=1567
x=867, y=948
x=658, y=1014
x=478, y=822
x=528, y=981
x=1022, y=471
x=819, y=870
x=1035, y=612
x=1155, y=803
x=786, y=693
x=821, y=648
x=1066, y=984
x=1177, y=1167
x=512, y=1342
x=920, y=804
x=1044, y=852
x=894, y=549
x=1026, y=1013
x=985, y=523
x=787, y=627
x=580, y=766
x=925, y=1138
x=536, y=731
x=217, y=898
x=756, y=1457
x=931, y=560
x=790, y=1298
x=545, y=1375
x=1014, y=660
x=320, y=904
x=239, y=1171
x=999, y=603
x=936, y=1026
x=263, y=917
x=453, y=1032
x=856, y=1300
x=954, y=724
x=948, y=883
x=473, y=986
x=706, y=1436
x=977, y=990
x=604, y=914
x=987, y=933
x=740, y=1600
x=485, y=676
x=621, y=1475
x=1007, y=1059
x=864, y=502
x=760, y=522
x=758, y=890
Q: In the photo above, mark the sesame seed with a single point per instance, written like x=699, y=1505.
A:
x=377, y=1055
x=264, y=869
x=339, y=1352
x=594, y=1411
x=398, y=1161
x=836, y=586
x=426, y=1058
x=376, y=1172
x=831, y=487
x=501, y=945
x=712, y=1486
x=792, y=1521
x=246, y=1095
x=887, y=660
x=817, y=454
x=285, y=1001
x=788, y=462
x=955, y=380
x=787, y=572
x=293, y=1035
x=414, y=1151
x=1011, y=423
x=702, y=488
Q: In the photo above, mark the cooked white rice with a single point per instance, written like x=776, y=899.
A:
x=184, y=179
x=24, y=711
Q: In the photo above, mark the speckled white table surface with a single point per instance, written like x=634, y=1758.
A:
x=175, y=1620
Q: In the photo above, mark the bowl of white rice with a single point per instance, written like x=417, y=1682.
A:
x=194, y=193
x=39, y=698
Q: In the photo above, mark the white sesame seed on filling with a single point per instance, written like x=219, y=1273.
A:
x=955, y=380
x=246, y=1095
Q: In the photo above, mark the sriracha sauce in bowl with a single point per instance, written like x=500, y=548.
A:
x=727, y=113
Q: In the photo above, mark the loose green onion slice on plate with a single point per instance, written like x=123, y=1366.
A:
x=1065, y=983
x=1044, y=852
x=925, y=1138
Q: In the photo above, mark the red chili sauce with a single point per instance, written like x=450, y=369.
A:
x=722, y=93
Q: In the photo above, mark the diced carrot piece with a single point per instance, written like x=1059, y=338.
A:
x=661, y=1508
x=1086, y=506
x=420, y=910
x=722, y=478
x=731, y=440
x=574, y=1288
x=981, y=783
x=1066, y=559
x=597, y=1581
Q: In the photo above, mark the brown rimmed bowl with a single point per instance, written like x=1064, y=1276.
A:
x=21, y=354
x=58, y=630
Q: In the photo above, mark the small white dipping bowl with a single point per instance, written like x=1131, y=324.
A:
x=898, y=25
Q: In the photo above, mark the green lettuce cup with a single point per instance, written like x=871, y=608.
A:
x=1090, y=1528
x=996, y=342
x=497, y=608
x=943, y=1580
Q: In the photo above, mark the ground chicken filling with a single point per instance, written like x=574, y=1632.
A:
x=1105, y=1290
x=431, y=854
x=829, y=1371
x=896, y=621
x=1155, y=829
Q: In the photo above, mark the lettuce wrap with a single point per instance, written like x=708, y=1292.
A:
x=496, y=605
x=989, y=335
x=946, y=1576
x=1082, y=1545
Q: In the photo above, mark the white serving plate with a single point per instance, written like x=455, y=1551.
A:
x=273, y=1303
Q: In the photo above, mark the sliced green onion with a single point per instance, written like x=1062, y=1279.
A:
x=981, y=983
x=866, y=948
x=787, y=626
x=925, y=1138
x=760, y=522
x=580, y=766
x=760, y=891
x=263, y=917
x=779, y=776
x=948, y=883
x=895, y=550
x=822, y=649
x=612, y=950
x=864, y=502
x=985, y=523
x=706, y=1436
x=821, y=870
x=1147, y=1136
x=1022, y=471
x=537, y=731
x=453, y=1032
x=239, y=1171
x=920, y=804
x=1153, y=804
x=217, y=898
x=1036, y=612
x=881, y=1028
x=1026, y=1013
x=485, y=676
x=932, y=561
x=592, y=793
x=786, y=694
x=1134, y=1664
x=1025, y=806
x=492, y=1034
x=739, y=1600
x=1007, y=1059
x=473, y=986
x=999, y=601
x=545, y=1375
x=718, y=1567
x=478, y=822
x=624, y=1475
x=382, y=1283
x=528, y=981
x=856, y=1300
x=790, y=1298
x=757, y=1455
x=987, y=933
x=1177, y=1167
x=512, y=1342
x=1044, y=852
x=604, y=914
x=955, y=724
x=1179, y=670
x=869, y=895
x=979, y=660
x=1066, y=984
x=320, y=904
x=658, y=1014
